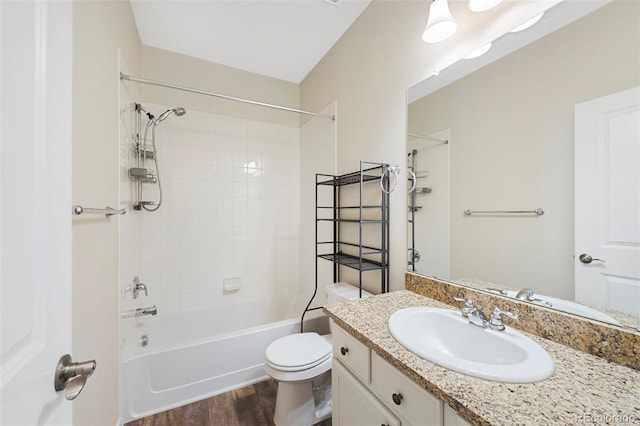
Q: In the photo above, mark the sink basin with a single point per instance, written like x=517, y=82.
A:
x=445, y=338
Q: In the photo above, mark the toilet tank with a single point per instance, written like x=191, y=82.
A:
x=341, y=292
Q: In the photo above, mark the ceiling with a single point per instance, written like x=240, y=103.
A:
x=283, y=39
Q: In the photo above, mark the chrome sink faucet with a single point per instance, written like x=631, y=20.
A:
x=529, y=295
x=478, y=318
x=473, y=314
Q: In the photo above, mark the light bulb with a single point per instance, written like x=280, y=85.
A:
x=440, y=25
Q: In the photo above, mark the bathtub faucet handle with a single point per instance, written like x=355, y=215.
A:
x=138, y=287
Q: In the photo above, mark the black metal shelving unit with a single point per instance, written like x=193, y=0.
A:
x=368, y=217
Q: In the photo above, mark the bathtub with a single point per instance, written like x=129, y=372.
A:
x=164, y=374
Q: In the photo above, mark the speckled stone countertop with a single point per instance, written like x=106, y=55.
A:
x=583, y=390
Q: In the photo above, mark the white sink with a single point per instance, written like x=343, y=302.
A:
x=445, y=338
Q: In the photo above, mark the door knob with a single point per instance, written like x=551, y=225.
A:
x=586, y=258
x=72, y=376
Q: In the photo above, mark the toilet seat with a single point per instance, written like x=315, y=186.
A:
x=298, y=352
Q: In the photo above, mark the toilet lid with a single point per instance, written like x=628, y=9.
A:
x=298, y=351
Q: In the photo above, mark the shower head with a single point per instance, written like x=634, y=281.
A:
x=179, y=111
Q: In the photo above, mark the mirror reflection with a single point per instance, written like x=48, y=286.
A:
x=542, y=149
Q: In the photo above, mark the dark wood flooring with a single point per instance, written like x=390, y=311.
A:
x=251, y=405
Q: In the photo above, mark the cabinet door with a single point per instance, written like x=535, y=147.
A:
x=353, y=404
x=452, y=418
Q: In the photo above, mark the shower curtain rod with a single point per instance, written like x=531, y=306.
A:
x=217, y=95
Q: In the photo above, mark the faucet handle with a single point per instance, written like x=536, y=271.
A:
x=468, y=308
x=495, y=321
x=138, y=287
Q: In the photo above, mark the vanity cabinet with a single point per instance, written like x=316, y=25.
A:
x=368, y=390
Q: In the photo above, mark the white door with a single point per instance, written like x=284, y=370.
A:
x=35, y=209
x=607, y=201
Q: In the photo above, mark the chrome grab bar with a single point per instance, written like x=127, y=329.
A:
x=107, y=211
x=538, y=212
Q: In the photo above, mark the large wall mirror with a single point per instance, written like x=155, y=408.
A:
x=531, y=161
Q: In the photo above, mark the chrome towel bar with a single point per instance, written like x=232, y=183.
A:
x=538, y=212
x=107, y=211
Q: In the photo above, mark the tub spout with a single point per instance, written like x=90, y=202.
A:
x=140, y=312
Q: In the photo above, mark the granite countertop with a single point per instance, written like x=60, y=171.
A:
x=584, y=388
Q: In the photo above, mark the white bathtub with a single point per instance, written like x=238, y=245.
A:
x=165, y=375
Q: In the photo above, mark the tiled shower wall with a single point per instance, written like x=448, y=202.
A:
x=228, y=230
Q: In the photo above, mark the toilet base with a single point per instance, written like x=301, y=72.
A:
x=296, y=405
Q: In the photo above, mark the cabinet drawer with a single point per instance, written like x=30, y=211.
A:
x=352, y=353
x=402, y=396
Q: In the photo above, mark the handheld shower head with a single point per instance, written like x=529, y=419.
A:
x=179, y=111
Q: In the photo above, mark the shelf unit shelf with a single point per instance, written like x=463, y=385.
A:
x=353, y=262
x=368, y=257
x=372, y=216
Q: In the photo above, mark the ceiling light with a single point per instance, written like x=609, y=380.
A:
x=527, y=24
x=440, y=25
x=479, y=51
x=482, y=5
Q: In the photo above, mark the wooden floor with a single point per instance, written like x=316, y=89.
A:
x=249, y=406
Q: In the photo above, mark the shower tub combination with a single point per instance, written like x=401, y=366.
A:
x=173, y=359
x=184, y=361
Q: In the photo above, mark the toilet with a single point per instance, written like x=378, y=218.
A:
x=301, y=363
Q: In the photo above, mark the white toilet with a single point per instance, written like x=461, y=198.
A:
x=300, y=362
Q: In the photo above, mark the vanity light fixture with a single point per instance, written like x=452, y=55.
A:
x=482, y=5
x=527, y=24
x=440, y=24
x=479, y=51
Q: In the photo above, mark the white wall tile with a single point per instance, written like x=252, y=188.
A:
x=230, y=208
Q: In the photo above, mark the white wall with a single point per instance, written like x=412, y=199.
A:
x=100, y=28
x=368, y=72
x=317, y=155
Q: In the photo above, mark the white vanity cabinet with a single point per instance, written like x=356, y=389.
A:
x=367, y=390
